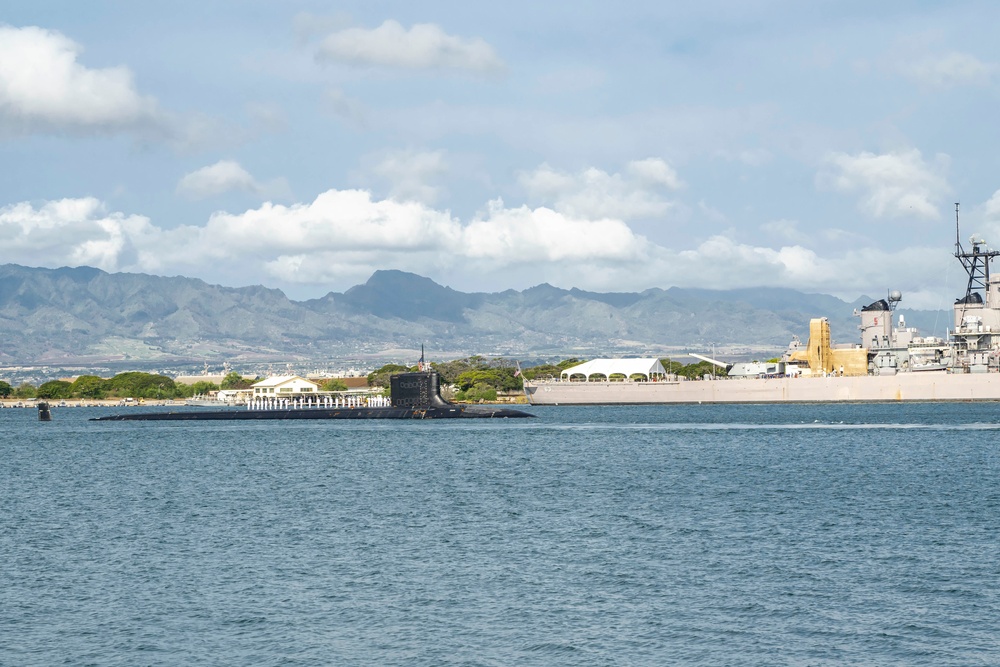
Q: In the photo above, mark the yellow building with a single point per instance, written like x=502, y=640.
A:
x=823, y=359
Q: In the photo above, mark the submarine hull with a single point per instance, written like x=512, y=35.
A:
x=455, y=412
x=414, y=396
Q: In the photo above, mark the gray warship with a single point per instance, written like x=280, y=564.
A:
x=892, y=362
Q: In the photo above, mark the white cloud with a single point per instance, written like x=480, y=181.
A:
x=949, y=70
x=756, y=263
x=891, y=184
x=423, y=46
x=76, y=232
x=542, y=235
x=594, y=194
x=223, y=176
x=226, y=176
x=344, y=227
x=847, y=275
x=991, y=209
x=342, y=236
x=655, y=171
x=43, y=87
x=411, y=174
x=986, y=217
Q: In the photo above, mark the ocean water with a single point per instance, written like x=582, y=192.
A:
x=652, y=535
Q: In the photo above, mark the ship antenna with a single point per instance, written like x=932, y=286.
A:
x=958, y=239
x=976, y=263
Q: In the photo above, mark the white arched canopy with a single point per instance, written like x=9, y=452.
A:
x=648, y=368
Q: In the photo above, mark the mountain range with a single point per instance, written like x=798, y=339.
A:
x=86, y=315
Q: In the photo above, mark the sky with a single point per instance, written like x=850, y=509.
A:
x=820, y=146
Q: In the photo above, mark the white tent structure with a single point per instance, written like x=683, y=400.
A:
x=651, y=369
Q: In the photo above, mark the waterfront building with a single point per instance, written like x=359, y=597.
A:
x=285, y=386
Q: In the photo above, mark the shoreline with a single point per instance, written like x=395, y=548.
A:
x=83, y=403
x=166, y=403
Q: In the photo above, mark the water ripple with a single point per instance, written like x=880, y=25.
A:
x=751, y=535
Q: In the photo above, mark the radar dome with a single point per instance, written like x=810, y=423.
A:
x=895, y=295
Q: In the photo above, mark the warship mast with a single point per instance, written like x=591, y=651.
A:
x=976, y=263
x=976, y=335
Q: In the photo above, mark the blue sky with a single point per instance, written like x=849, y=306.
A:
x=819, y=146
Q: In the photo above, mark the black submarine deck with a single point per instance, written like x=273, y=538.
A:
x=459, y=412
x=414, y=396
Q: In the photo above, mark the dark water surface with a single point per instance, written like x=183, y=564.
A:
x=739, y=535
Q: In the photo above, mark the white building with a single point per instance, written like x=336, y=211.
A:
x=232, y=395
x=647, y=369
x=285, y=386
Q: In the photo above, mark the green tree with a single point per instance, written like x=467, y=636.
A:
x=542, y=371
x=203, y=387
x=498, y=373
x=141, y=385
x=88, y=386
x=469, y=379
x=234, y=380
x=25, y=391
x=476, y=393
x=451, y=370
x=699, y=370
x=691, y=371
x=333, y=385
x=509, y=379
x=671, y=366
x=5, y=389
x=550, y=370
x=55, y=389
x=182, y=390
x=380, y=377
x=500, y=378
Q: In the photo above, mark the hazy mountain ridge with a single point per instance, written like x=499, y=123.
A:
x=57, y=315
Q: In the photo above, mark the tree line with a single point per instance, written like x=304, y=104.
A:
x=476, y=378
x=133, y=384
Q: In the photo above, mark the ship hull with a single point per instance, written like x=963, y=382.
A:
x=926, y=386
x=414, y=396
x=451, y=412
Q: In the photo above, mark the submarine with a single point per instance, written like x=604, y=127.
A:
x=413, y=396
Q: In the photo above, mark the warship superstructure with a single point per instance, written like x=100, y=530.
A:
x=892, y=362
